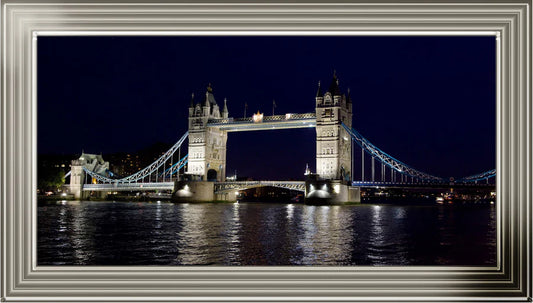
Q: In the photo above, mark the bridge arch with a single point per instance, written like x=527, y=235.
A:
x=211, y=175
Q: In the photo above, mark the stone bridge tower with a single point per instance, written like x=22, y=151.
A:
x=207, y=145
x=78, y=177
x=333, y=143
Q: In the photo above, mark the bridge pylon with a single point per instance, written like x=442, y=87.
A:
x=207, y=145
x=333, y=144
x=333, y=149
x=78, y=177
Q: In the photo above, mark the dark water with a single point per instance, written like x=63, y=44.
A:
x=121, y=233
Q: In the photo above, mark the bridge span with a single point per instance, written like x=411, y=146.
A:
x=218, y=186
x=111, y=187
x=242, y=185
x=337, y=177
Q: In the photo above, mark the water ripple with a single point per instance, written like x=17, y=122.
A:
x=107, y=233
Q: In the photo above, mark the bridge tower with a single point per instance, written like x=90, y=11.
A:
x=78, y=177
x=207, y=145
x=333, y=143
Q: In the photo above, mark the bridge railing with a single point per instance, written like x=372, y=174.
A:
x=284, y=117
x=129, y=186
x=388, y=160
x=145, y=172
x=486, y=175
x=240, y=185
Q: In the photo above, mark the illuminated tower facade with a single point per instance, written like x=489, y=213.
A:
x=333, y=143
x=207, y=145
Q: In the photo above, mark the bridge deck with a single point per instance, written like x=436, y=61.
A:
x=293, y=185
x=419, y=185
x=240, y=185
x=286, y=121
x=129, y=186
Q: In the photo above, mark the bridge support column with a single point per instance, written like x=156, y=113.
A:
x=330, y=192
x=76, y=191
x=193, y=191
x=230, y=196
x=77, y=178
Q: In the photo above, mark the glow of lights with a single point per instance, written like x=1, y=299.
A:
x=336, y=188
x=64, y=194
x=184, y=192
x=324, y=187
x=257, y=117
x=290, y=210
x=236, y=193
x=158, y=202
x=287, y=116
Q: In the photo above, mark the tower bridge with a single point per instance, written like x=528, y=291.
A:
x=201, y=174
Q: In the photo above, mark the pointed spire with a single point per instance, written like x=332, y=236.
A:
x=209, y=98
x=348, y=98
x=225, y=109
x=192, y=100
x=334, y=86
x=208, y=91
x=319, y=90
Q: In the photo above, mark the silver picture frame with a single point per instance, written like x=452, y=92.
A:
x=23, y=21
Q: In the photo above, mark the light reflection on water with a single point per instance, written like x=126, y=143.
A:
x=120, y=233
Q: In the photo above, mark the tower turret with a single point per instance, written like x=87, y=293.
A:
x=334, y=89
x=225, y=110
x=319, y=98
x=207, y=105
x=349, y=102
x=191, y=107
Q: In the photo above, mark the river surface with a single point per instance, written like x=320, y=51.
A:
x=131, y=233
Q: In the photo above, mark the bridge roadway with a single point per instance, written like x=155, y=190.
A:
x=293, y=185
x=285, y=121
x=129, y=186
x=241, y=185
x=420, y=185
x=219, y=186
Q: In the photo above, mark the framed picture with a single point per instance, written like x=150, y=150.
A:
x=40, y=42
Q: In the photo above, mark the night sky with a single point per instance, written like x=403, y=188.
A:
x=427, y=101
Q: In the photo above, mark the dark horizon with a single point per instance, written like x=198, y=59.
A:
x=427, y=101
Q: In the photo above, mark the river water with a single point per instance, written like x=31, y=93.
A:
x=131, y=233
